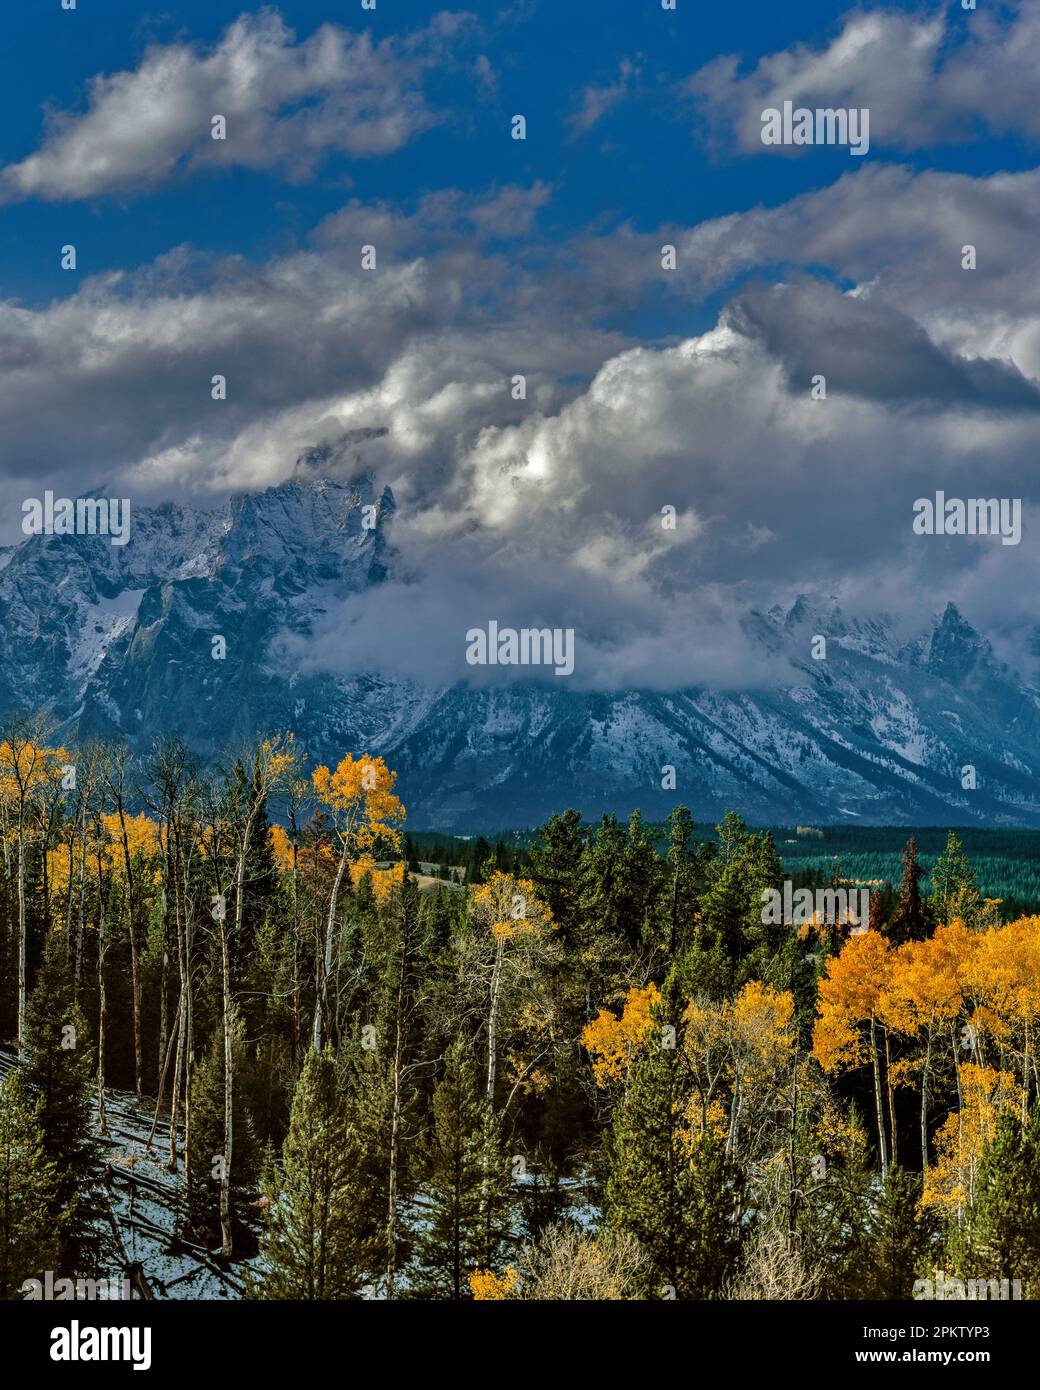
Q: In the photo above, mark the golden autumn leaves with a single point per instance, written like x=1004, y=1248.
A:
x=962, y=1008
x=357, y=795
x=956, y=1014
x=736, y=1052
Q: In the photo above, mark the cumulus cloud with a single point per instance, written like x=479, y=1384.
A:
x=928, y=79
x=557, y=521
x=287, y=105
x=552, y=510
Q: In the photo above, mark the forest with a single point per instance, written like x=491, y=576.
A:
x=582, y=1067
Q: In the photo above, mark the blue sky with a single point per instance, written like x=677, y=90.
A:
x=645, y=387
x=641, y=162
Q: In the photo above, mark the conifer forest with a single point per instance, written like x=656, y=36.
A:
x=588, y=1069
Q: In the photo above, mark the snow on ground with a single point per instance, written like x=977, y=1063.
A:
x=144, y=1199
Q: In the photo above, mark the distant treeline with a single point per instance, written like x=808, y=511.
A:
x=1006, y=861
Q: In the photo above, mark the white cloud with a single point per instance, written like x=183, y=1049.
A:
x=548, y=511
x=287, y=105
x=927, y=79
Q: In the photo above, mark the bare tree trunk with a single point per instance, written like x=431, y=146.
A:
x=164, y=954
x=189, y=1043
x=21, y=934
x=792, y=1196
x=395, y=1120
x=882, y=1143
x=496, y=989
x=135, y=967
x=225, y=1175
x=68, y=905
x=322, y=1003
x=80, y=912
x=1025, y=1076
x=924, y=1098
x=179, y=913
x=102, y=997
x=161, y=1087
x=891, y=1100
x=175, y=1090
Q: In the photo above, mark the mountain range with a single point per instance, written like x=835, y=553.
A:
x=117, y=641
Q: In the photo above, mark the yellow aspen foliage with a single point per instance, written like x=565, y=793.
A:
x=28, y=766
x=762, y=1019
x=929, y=980
x=614, y=1041
x=142, y=838
x=851, y=993
x=281, y=848
x=488, y=1287
x=987, y=1094
x=383, y=880
x=739, y=1052
x=509, y=907
x=359, y=794
x=278, y=759
x=1007, y=976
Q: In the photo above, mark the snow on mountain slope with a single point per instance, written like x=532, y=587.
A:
x=117, y=641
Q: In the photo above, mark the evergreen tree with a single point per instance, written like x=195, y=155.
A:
x=620, y=882
x=682, y=1200
x=909, y=922
x=1001, y=1235
x=461, y=1172
x=555, y=869
x=681, y=900
x=481, y=859
x=313, y=1245
x=207, y=1137
x=834, y=1219
x=955, y=892
x=54, y=1074
x=731, y=943
x=880, y=908
x=901, y=1234
x=30, y=1216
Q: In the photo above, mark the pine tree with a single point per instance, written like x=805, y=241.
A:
x=681, y=1199
x=30, y=1216
x=955, y=892
x=481, y=859
x=314, y=1246
x=555, y=868
x=681, y=901
x=54, y=1072
x=834, y=1219
x=461, y=1173
x=901, y=1233
x=207, y=1138
x=731, y=944
x=1001, y=1236
x=910, y=922
x=878, y=912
